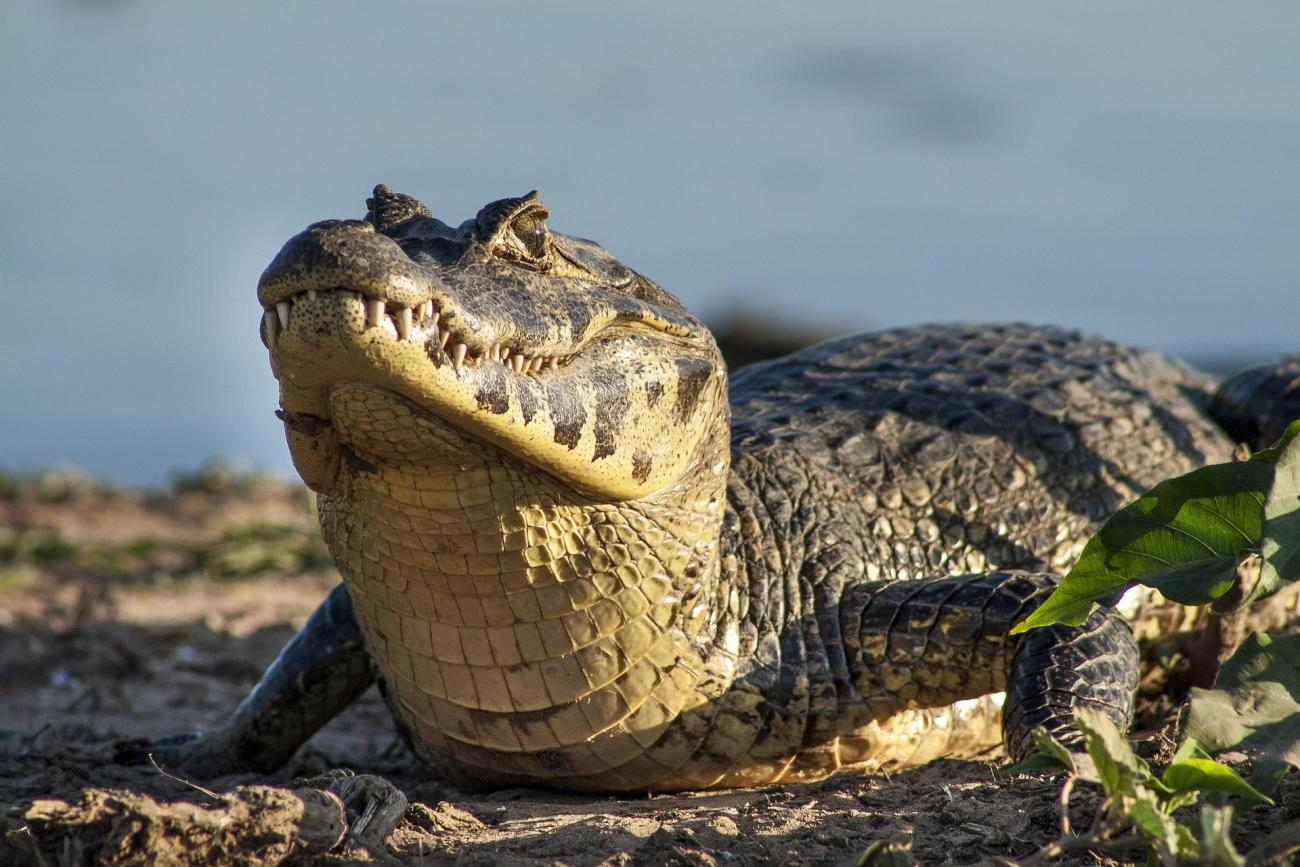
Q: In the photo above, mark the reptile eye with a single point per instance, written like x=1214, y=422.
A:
x=515, y=230
x=530, y=229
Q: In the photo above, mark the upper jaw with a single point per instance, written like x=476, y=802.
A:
x=457, y=313
x=397, y=294
x=421, y=325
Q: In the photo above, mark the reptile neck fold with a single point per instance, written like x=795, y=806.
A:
x=523, y=629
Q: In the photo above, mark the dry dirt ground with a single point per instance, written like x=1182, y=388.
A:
x=130, y=614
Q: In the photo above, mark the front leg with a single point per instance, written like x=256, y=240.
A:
x=317, y=674
x=1058, y=669
x=931, y=642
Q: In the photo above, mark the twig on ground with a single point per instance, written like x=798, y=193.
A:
x=195, y=786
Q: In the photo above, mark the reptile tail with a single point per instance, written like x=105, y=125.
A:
x=1256, y=405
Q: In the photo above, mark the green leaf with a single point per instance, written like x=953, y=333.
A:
x=1152, y=822
x=1268, y=772
x=1196, y=583
x=1189, y=749
x=1179, y=800
x=1281, y=531
x=1188, y=848
x=1039, y=762
x=1216, y=844
x=1050, y=755
x=1118, y=768
x=1186, y=533
x=1186, y=536
x=1254, y=706
x=1207, y=775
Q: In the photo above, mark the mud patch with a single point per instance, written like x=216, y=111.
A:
x=249, y=825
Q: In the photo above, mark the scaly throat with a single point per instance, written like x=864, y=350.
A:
x=517, y=621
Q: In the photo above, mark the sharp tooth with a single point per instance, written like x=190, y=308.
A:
x=553, y=362
x=271, y=324
x=494, y=352
x=374, y=312
x=311, y=293
x=283, y=309
x=517, y=363
x=446, y=336
x=434, y=316
x=458, y=355
x=402, y=319
x=427, y=307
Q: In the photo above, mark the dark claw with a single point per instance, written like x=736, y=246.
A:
x=374, y=806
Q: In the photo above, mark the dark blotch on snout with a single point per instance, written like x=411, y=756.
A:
x=642, y=463
x=491, y=394
x=567, y=415
x=692, y=375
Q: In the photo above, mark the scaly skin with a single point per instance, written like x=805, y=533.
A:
x=596, y=573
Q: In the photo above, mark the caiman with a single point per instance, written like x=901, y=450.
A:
x=576, y=553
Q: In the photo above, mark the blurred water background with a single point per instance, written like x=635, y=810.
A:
x=1127, y=168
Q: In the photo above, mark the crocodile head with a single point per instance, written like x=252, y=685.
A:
x=499, y=335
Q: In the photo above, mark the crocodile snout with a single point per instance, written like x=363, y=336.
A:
x=345, y=254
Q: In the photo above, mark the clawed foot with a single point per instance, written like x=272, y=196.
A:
x=373, y=806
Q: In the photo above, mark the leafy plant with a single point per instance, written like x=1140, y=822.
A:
x=1137, y=812
x=1255, y=706
x=1189, y=538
